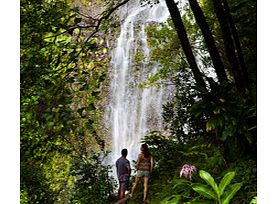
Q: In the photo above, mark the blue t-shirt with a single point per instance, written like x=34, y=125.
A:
x=122, y=165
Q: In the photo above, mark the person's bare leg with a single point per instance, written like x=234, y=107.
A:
x=146, y=179
x=119, y=192
x=122, y=195
x=134, y=185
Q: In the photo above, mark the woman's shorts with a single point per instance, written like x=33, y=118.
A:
x=143, y=173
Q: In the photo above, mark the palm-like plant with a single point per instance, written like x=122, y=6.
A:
x=215, y=192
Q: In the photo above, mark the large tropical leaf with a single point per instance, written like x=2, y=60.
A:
x=209, y=179
x=230, y=194
x=204, y=190
x=225, y=181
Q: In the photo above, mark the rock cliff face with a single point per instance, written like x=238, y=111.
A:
x=92, y=8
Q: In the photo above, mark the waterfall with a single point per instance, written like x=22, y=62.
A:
x=132, y=111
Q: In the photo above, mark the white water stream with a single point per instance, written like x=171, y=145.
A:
x=132, y=112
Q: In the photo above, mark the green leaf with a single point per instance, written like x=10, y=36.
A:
x=84, y=87
x=80, y=111
x=91, y=107
x=95, y=93
x=102, y=77
x=180, y=183
x=92, y=47
x=204, y=190
x=225, y=181
x=254, y=200
x=174, y=199
x=230, y=194
x=209, y=179
x=200, y=202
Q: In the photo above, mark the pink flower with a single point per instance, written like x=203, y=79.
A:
x=187, y=171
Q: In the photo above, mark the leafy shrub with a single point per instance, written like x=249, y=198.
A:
x=23, y=197
x=35, y=188
x=228, y=117
x=93, y=181
x=246, y=172
x=180, y=191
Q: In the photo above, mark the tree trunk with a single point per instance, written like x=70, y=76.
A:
x=237, y=43
x=182, y=35
x=229, y=45
x=202, y=23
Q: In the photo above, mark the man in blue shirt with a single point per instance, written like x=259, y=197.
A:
x=123, y=169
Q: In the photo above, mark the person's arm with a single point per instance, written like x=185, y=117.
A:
x=138, y=160
x=152, y=163
x=129, y=169
x=116, y=166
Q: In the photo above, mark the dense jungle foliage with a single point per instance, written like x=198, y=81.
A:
x=211, y=118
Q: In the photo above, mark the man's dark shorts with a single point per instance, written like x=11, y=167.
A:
x=124, y=182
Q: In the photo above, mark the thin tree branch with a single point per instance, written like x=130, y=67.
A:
x=105, y=17
x=89, y=17
x=97, y=26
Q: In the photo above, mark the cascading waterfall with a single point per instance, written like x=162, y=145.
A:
x=132, y=111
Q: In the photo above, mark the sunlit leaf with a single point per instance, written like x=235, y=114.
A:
x=204, y=190
x=230, y=194
x=225, y=181
x=209, y=179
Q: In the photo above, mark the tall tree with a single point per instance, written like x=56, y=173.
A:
x=210, y=42
x=182, y=35
x=229, y=45
x=237, y=43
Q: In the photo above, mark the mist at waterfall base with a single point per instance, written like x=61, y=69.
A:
x=132, y=112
